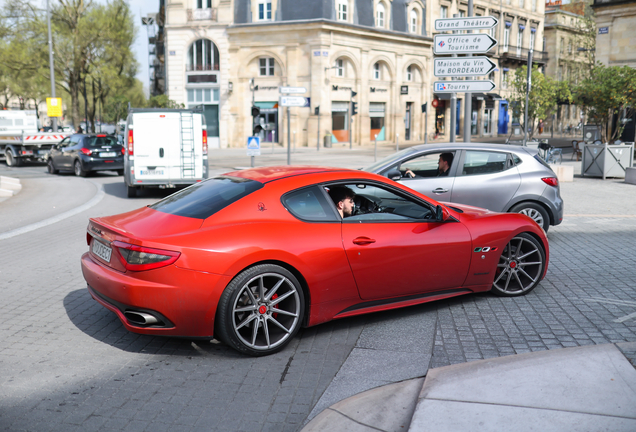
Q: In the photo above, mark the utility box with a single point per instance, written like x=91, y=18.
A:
x=327, y=141
x=604, y=160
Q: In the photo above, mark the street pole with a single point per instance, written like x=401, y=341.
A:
x=397, y=142
x=288, y=137
x=48, y=19
x=528, y=87
x=375, y=149
x=318, y=133
x=468, y=100
x=426, y=126
x=453, y=103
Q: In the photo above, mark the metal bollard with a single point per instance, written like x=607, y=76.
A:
x=375, y=150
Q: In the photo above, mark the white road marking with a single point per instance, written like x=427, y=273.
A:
x=50, y=221
x=619, y=303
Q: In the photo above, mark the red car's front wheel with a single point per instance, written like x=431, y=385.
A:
x=520, y=266
x=260, y=310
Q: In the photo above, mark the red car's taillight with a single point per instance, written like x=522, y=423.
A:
x=552, y=181
x=205, y=142
x=86, y=151
x=130, y=143
x=138, y=258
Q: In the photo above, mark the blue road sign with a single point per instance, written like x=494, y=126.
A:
x=253, y=146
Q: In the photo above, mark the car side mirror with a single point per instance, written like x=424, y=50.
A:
x=442, y=214
x=394, y=174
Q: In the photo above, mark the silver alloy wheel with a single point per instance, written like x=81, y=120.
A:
x=266, y=311
x=534, y=214
x=520, y=267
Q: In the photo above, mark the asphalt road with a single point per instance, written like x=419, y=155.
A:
x=68, y=364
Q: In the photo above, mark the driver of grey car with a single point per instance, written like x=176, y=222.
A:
x=342, y=197
x=443, y=165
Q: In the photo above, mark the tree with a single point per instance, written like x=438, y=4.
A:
x=545, y=92
x=609, y=97
x=162, y=101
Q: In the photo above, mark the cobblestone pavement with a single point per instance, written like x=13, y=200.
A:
x=67, y=364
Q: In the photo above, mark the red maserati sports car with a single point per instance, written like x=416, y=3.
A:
x=251, y=256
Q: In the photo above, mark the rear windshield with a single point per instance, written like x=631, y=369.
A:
x=203, y=199
x=96, y=142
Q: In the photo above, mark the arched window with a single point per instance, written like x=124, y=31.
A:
x=376, y=71
x=380, y=15
x=413, y=21
x=340, y=68
x=203, y=55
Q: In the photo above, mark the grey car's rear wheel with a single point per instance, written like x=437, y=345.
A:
x=536, y=212
x=520, y=266
x=261, y=310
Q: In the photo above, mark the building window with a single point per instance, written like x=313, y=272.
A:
x=266, y=66
x=569, y=47
x=532, y=37
x=443, y=12
x=342, y=10
x=504, y=79
x=534, y=5
x=519, y=41
x=506, y=40
x=339, y=66
x=560, y=74
x=409, y=73
x=380, y=15
x=521, y=4
x=413, y=21
x=204, y=4
x=562, y=46
x=203, y=55
x=376, y=71
x=265, y=10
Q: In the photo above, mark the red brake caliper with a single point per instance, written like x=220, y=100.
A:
x=274, y=297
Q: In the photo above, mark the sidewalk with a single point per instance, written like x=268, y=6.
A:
x=589, y=388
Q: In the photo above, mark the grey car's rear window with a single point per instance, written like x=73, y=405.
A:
x=202, y=200
x=98, y=141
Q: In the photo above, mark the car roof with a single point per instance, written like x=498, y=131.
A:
x=472, y=145
x=268, y=174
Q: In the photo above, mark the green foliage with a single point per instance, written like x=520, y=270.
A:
x=162, y=101
x=609, y=91
x=545, y=92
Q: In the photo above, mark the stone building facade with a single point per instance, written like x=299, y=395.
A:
x=232, y=55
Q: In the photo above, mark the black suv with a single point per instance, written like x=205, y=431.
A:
x=84, y=153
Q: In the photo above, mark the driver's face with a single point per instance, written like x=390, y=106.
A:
x=442, y=165
x=347, y=206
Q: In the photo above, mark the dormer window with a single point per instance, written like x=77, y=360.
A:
x=413, y=21
x=343, y=10
x=380, y=15
x=204, y=4
x=265, y=10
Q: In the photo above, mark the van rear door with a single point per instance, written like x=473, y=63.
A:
x=157, y=145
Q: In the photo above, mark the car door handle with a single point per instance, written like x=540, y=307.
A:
x=440, y=191
x=363, y=241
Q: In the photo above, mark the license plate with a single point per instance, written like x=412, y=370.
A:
x=101, y=250
x=151, y=172
x=108, y=154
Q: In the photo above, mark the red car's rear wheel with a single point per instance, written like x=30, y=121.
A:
x=520, y=266
x=260, y=310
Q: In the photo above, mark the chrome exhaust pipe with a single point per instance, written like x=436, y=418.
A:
x=140, y=318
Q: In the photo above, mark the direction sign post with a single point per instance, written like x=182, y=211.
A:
x=461, y=67
x=476, y=43
x=294, y=101
x=463, y=86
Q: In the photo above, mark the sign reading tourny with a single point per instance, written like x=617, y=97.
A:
x=470, y=43
x=462, y=66
x=466, y=23
x=463, y=86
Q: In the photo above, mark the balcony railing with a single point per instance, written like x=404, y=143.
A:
x=518, y=53
x=202, y=68
x=202, y=14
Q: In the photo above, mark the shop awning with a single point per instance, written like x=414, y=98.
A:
x=479, y=96
x=443, y=96
x=494, y=96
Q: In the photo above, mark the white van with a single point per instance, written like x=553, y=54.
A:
x=165, y=148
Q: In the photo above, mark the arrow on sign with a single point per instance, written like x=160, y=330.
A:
x=464, y=66
x=468, y=23
x=294, y=101
x=472, y=43
x=463, y=86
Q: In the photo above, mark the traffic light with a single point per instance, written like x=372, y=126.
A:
x=354, y=108
x=317, y=110
x=424, y=108
x=256, y=111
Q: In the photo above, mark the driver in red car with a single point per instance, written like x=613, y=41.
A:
x=342, y=197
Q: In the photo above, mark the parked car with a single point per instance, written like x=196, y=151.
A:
x=86, y=153
x=251, y=256
x=502, y=178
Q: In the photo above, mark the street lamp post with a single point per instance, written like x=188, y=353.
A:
x=48, y=19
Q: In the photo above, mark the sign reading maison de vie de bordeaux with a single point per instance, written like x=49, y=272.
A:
x=472, y=43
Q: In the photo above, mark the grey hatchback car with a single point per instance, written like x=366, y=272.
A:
x=502, y=178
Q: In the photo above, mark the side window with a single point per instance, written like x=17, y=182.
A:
x=427, y=165
x=309, y=204
x=65, y=142
x=75, y=139
x=374, y=203
x=484, y=162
